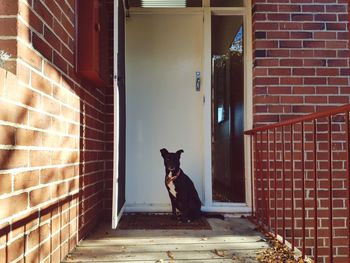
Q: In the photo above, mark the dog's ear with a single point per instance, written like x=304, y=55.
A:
x=164, y=151
x=179, y=152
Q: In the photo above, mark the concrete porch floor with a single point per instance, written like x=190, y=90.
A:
x=234, y=239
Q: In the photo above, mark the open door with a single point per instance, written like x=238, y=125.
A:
x=119, y=114
x=227, y=109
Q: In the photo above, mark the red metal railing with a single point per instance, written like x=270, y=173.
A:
x=300, y=182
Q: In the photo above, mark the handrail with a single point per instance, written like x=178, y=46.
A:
x=292, y=164
x=308, y=117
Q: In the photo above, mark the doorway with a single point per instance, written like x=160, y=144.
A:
x=227, y=92
x=164, y=105
x=165, y=48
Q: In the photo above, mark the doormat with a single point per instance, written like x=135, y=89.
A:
x=159, y=221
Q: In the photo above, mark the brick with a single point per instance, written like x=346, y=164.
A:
x=8, y=209
x=23, y=73
x=13, y=158
x=25, y=137
x=29, y=56
x=336, y=26
x=289, y=8
x=8, y=7
x=24, y=32
x=8, y=26
x=41, y=83
x=60, y=31
x=278, y=17
x=52, y=73
x=15, y=249
x=302, y=17
x=313, y=8
x=51, y=38
x=290, y=44
x=54, y=8
x=43, y=13
x=41, y=46
x=60, y=62
x=303, y=72
x=39, y=196
x=5, y=183
x=33, y=239
x=314, y=44
x=59, y=190
x=45, y=251
x=51, y=106
x=9, y=46
x=23, y=95
x=7, y=135
x=30, y=17
x=26, y=180
x=39, y=120
x=39, y=158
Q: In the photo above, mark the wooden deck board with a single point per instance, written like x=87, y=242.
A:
x=236, y=238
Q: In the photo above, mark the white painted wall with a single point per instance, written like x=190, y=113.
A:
x=163, y=109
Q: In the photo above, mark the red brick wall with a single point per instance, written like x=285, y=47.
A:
x=53, y=140
x=301, y=65
x=300, y=57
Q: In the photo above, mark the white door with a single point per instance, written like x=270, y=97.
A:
x=163, y=108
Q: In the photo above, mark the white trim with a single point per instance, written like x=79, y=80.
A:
x=247, y=25
x=236, y=208
x=130, y=208
x=115, y=216
x=119, y=216
x=207, y=108
x=248, y=96
x=165, y=11
x=207, y=12
x=228, y=11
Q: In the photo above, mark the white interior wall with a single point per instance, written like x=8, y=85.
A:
x=163, y=109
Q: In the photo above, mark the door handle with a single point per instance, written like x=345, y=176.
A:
x=198, y=81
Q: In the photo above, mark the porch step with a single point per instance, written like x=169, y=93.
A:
x=232, y=240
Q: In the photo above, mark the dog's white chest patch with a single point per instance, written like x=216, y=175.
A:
x=171, y=185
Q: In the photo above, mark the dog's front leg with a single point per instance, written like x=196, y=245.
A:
x=173, y=207
x=184, y=216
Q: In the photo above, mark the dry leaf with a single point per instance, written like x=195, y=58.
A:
x=204, y=238
x=170, y=254
x=219, y=253
x=276, y=253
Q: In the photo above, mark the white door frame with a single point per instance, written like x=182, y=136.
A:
x=207, y=11
x=115, y=216
x=245, y=11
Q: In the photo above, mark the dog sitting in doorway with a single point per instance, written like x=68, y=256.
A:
x=182, y=192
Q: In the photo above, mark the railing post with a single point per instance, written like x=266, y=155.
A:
x=347, y=149
x=303, y=187
x=283, y=190
x=260, y=184
x=315, y=189
x=268, y=179
x=256, y=177
x=292, y=177
x=275, y=178
x=251, y=174
x=330, y=189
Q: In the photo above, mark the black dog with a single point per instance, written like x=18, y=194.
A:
x=182, y=193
